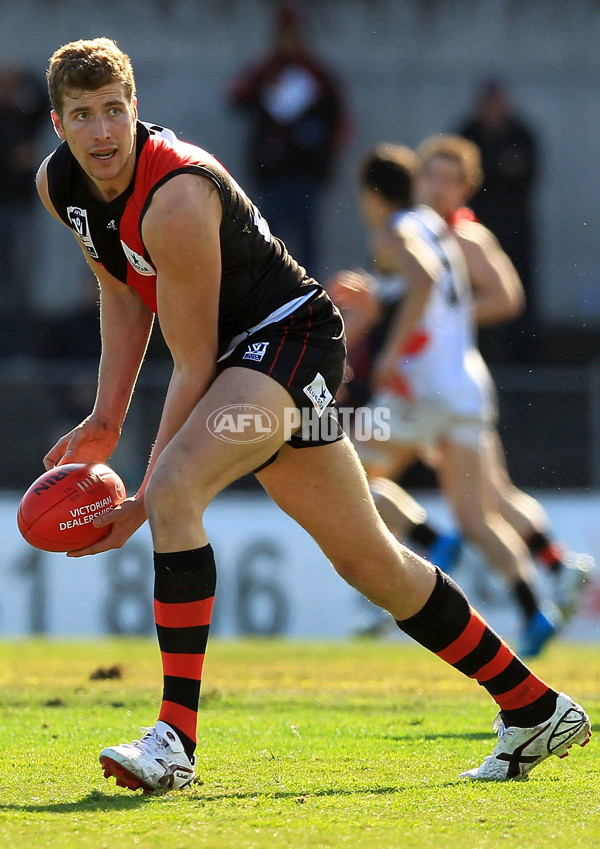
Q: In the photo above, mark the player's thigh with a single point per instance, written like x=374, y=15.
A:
x=326, y=491
x=236, y=427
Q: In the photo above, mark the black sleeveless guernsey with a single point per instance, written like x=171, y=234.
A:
x=258, y=274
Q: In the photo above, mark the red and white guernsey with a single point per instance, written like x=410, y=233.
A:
x=442, y=364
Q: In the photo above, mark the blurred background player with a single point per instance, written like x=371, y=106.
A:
x=430, y=375
x=503, y=202
x=450, y=172
x=297, y=125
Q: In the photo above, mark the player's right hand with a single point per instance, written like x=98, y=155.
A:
x=92, y=441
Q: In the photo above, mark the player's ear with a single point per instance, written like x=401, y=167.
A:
x=57, y=124
x=134, y=108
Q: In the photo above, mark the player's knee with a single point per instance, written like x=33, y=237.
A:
x=168, y=496
x=350, y=570
x=366, y=571
x=159, y=495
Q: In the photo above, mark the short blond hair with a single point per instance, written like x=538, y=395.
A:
x=460, y=150
x=88, y=66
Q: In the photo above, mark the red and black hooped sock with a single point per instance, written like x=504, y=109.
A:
x=184, y=590
x=547, y=551
x=448, y=626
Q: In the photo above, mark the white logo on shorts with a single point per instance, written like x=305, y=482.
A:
x=256, y=351
x=318, y=393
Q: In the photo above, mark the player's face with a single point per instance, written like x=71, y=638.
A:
x=442, y=185
x=99, y=127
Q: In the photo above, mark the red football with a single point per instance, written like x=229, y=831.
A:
x=57, y=511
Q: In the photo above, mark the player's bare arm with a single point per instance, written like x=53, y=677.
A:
x=497, y=289
x=181, y=234
x=125, y=329
x=125, y=326
x=418, y=267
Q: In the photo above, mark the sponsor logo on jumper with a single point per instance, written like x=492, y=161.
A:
x=112, y=225
x=79, y=222
x=256, y=351
x=137, y=261
x=242, y=423
x=318, y=393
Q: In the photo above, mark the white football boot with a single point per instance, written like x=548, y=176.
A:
x=157, y=763
x=519, y=750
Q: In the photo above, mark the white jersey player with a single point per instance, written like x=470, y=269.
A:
x=430, y=375
x=442, y=386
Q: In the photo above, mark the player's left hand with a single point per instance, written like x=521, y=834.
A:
x=124, y=519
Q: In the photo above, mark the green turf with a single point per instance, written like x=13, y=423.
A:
x=302, y=745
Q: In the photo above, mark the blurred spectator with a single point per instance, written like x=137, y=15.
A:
x=297, y=125
x=509, y=153
x=23, y=112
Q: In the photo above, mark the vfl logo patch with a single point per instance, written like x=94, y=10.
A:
x=256, y=351
x=79, y=223
x=137, y=261
x=318, y=393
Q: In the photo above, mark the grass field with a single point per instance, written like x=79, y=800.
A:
x=302, y=745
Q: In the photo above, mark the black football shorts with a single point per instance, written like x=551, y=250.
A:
x=306, y=353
